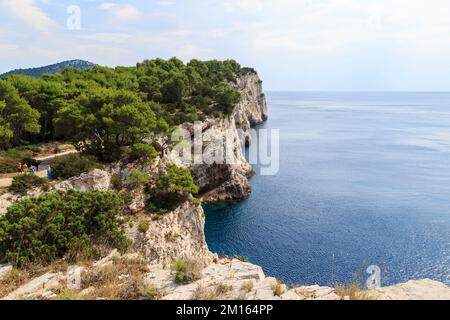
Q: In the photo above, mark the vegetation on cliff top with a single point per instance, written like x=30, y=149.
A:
x=103, y=110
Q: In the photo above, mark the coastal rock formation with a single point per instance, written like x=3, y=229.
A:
x=230, y=181
x=175, y=235
x=252, y=110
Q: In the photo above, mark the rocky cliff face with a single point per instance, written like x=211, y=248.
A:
x=176, y=235
x=230, y=181
x=252, y=110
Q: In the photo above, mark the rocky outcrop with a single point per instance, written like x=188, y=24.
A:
x=230, y=180
x=99, y=180
x=5, y=269
x=175, y=235
x=414, y=290
x=96, y=180
x=252, y=110
x=8, y=199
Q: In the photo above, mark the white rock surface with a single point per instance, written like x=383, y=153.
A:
x=414, y=290
x=176, y=235
x=5, y=269
x=96, y=180
x=40, y=284
x=246, y=271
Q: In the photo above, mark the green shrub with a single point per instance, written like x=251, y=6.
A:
x=137, y=178
x=197, y=201
x=172, y=188
x=187, y=271
x=73, y=165
x=180, y=277
x=151, y=293
x=8, y=165
x=23, y=183
x=179, y=266
x=144, y=226
x=61, y=224
x=116, y=182
x=144, y=152
x=177, y=179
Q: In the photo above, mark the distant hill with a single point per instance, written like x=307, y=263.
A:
x=54, y=68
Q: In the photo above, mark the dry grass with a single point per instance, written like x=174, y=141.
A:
x=18, y=277
x=354, y=291
x=12, y=280
x=305, y=293
x=278, y=289
x=121, y=280
x=248, y=286
x=66, y=294
x=219, y=292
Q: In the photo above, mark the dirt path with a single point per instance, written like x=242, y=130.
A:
x=6, y=179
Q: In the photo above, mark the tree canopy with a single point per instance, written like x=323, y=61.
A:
x=102, y=110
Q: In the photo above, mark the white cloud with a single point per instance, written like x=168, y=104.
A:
x=166, y=3
x=121, y=11
x=30, y=13
x=106, y=37
x=243, y=5
x=326, y=25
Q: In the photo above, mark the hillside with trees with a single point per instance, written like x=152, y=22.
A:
x=103, y=110
x=53, y=68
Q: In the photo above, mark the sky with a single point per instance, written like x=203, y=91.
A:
x=326, y=45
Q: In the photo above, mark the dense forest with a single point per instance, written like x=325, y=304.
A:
x=103, y=110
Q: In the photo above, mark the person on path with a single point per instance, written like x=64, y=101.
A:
x=49, y=172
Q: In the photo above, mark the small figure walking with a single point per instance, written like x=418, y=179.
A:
x=20, y=168
x=49, y=173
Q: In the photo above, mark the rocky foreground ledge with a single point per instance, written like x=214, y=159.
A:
x=117, y=277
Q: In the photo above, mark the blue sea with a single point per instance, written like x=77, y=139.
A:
x=364, y=180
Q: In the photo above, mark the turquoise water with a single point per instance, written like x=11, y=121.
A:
x=364, y=179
